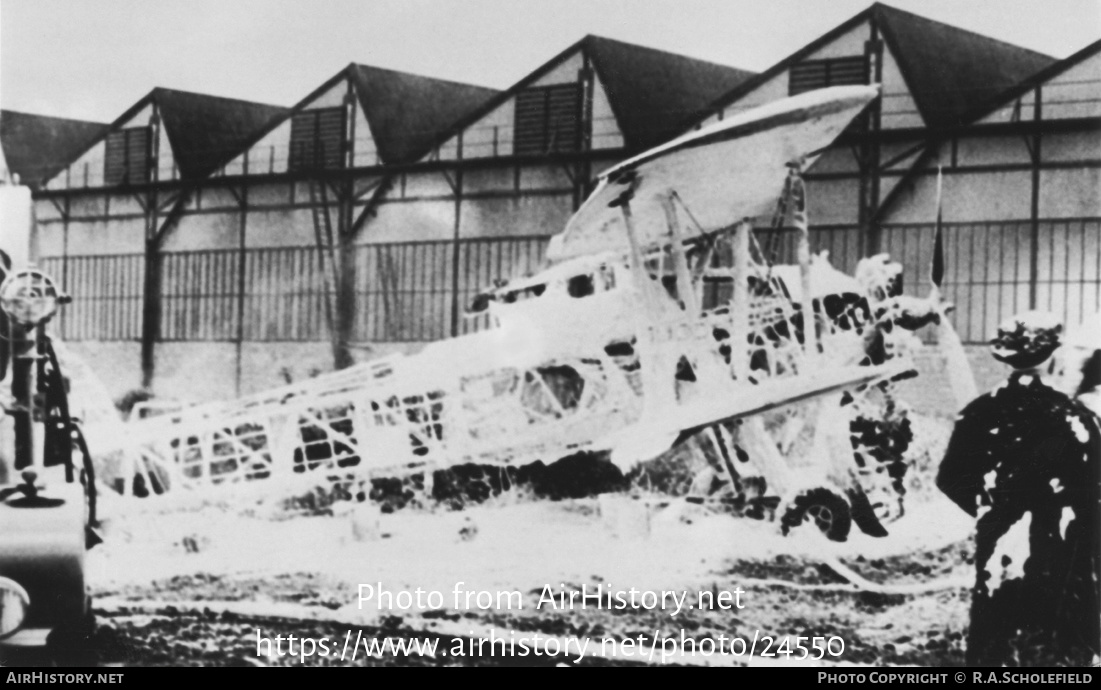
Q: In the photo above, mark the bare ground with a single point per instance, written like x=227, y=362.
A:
x=193, y=588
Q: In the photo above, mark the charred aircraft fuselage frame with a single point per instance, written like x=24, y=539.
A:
x=657, y=318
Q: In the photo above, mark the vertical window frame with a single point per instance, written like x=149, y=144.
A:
x=305, y=153
x=136, y=151
x=834, y=72
x=539, y=112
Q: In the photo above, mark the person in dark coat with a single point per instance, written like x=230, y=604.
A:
x=1023, y=459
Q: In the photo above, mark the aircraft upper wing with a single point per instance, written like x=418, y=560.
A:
x=723, y=173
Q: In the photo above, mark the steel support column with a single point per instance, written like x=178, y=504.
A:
x=584, y=170
x=151, y=297
x=242, y=267
x=151, y=293
x=1034, y=207
x=66, y=213
x=344, y=312
x=869, y=152
x=344, y=270
x=455, y=244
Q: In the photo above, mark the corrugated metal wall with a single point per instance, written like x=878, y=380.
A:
x=989, y=268
x=405, y=290
x=106, y=293
x=988, y=264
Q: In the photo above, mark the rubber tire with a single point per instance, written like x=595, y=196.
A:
x=810, y=505
x=73, y=645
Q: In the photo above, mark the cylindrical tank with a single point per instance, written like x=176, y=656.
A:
x=17, y=225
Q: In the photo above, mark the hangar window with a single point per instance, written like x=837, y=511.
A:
x=126, y=158
x=317, y=139
x=818, y=74
x=548, y=118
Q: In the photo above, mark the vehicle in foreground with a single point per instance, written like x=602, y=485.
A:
x=47, y=485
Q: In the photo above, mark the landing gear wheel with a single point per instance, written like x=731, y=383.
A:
x=824, y=509
x=821, y=515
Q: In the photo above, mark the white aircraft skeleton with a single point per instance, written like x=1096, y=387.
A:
x=657, y=318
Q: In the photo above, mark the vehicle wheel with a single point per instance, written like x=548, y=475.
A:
x=72, y=645
x=822, y=508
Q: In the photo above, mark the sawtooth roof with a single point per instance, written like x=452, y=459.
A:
x=206, y=132
x=653, y=91
x=407, y=112
x=36, y=147
x=1036, y=79
x=949, y=71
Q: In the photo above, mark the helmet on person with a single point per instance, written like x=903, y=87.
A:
x=1028, y=339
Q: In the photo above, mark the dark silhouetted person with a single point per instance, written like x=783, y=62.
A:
x=1023, y=459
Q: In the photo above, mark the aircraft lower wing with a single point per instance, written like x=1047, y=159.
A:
x=656, y=433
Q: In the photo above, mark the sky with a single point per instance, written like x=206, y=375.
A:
x=92, y=59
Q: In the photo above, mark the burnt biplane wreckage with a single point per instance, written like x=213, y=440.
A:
x=658, y=318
